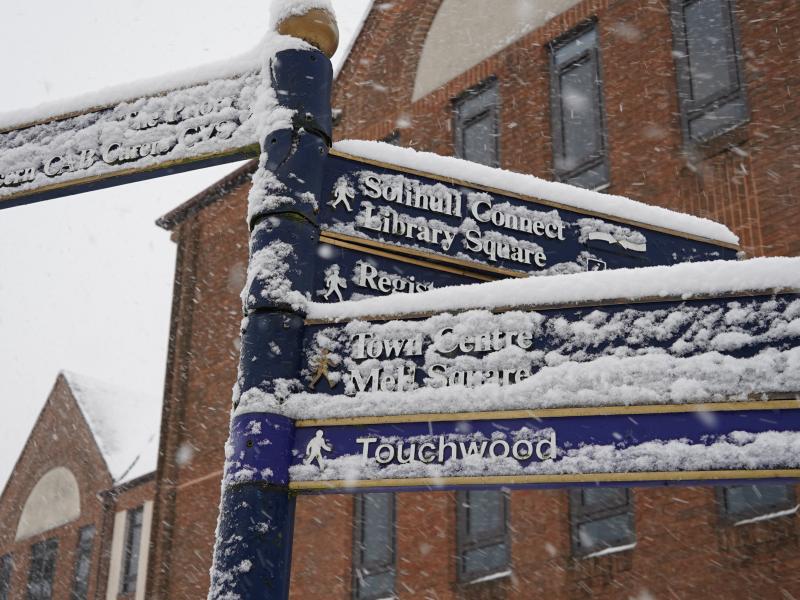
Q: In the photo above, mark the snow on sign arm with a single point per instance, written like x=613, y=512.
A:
x=187, y=120
x=693, y=374
x=394, y=219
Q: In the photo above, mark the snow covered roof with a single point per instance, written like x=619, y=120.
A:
x=568, y=196
x=125, y=425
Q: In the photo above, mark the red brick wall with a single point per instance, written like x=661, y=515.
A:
x=751, y=189
x=61, y=438
x=683, y=548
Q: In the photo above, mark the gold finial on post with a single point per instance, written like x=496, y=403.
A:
x=316, y=26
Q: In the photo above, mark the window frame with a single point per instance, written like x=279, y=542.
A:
x=579, y=515
x=465, y=542
x=462, y=118
x=392, y=138
x=6, y=573
x=601, y=158
x=372, y=567
x=38, y=564
x=129, y=575
x=83, y=551
x=729, y=518
x=690, y=109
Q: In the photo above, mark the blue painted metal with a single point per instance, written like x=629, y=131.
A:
x=551, y=335
x=252, y=555
x=369, y=274
x=258, y=440
x=569, y=251
x=619, y=431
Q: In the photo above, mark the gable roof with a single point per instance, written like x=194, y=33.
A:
x=125, y=425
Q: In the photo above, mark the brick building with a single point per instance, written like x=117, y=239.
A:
x=688, y=104
x=76, y=513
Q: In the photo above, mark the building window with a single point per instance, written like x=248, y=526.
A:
x=6, y=570
x=83, y=563
x=374, y=552
x=42, y=569
x=393, y=138
x=602, y=520
x=710, y=85
x=483, y=545
x=476, y=124
x=576, y=110
x=133, y=542
x=755, y=502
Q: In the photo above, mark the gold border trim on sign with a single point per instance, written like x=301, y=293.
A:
x=558, y=205
x=560, y=478
x=786, y=402
x=342, y=241
x=248, y=151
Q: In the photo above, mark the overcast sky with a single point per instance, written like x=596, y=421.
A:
x=86, y=280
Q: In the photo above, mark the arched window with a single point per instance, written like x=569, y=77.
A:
x=53, y=501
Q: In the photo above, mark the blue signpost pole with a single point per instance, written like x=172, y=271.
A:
x=252, y=555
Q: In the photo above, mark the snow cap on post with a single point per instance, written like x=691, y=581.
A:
x=310, y=20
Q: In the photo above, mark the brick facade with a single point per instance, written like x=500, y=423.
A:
x=62, y=438
x=748, y=180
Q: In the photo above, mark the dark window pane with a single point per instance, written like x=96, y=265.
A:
x=485, y=513
x=475, y=125
x=376, y=585
x=42, y=569
x=579, y=115
x=709, y=80
x=133, y=539
x=579, y=155
x=757, y=499
x=710, y=46
x=482, y=533
x=592, y=178
x=718, y=119
x=486, y=559
x=393, y=138
x=377, y=528
x=604, y=498
x=373, y=559
x=479, y=142
x=83, y=564
x=6, y=570
x=605, y=533
x=574, y=48
x=602, y=517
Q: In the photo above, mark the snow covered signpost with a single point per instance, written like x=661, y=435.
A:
x=557, y=375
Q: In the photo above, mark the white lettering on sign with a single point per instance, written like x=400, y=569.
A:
x=370, y=277
x=440, y=449
x=397, y=206
x=396, y=372
x=201, y=121
x=397, y=189
x=393, y=223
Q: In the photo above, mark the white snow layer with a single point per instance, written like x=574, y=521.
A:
x=229, y=68
x=688, y=280
x=529, y=185
x=598, y=360
x=125, y=425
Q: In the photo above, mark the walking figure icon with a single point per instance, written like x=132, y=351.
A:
x=314, y=450
x=343, y=192
x=334, y=283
